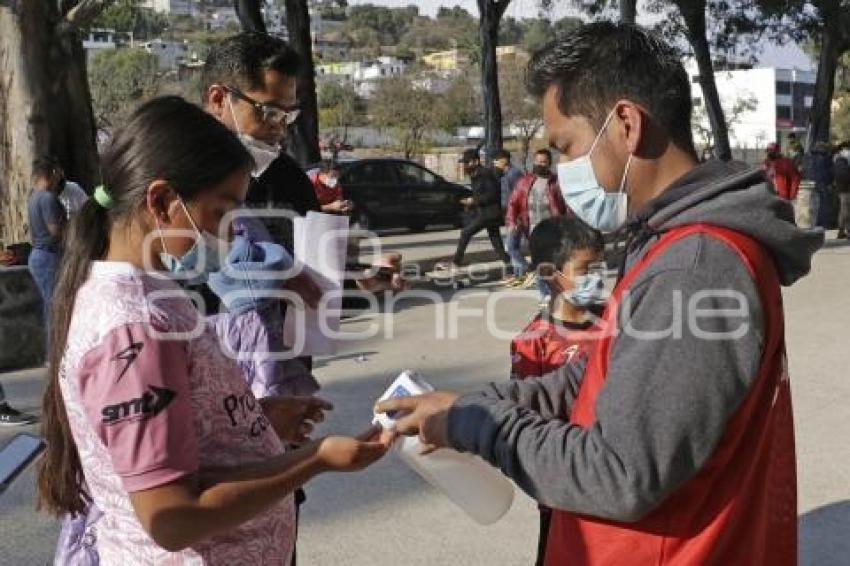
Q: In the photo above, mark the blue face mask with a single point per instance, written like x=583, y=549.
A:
x=589, y=291
x=190, y=265
x=597, y=207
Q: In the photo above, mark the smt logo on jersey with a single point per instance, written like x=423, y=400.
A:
x=149, y=404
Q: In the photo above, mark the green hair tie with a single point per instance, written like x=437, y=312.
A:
x=102, y=197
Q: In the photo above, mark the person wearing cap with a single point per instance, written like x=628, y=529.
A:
x=485, y=209
x=781, y=172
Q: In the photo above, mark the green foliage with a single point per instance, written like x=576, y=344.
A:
x=370, y=27
x=406, y=111
x=519, y=110
x=368, y=24
x=841, y=118
x=130, y=16
x=339, y=106
x=119, y=80
x=460, y=104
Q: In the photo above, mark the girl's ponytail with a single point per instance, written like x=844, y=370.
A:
x=60, y=472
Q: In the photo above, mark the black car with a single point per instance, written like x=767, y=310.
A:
x=393, y=193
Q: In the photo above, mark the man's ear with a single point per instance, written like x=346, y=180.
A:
x=216, y=99
x=160, y=201
x=633, y=124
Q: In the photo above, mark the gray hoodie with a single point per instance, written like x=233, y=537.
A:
x=666, y=400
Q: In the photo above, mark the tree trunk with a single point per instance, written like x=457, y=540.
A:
x=695, y=21
x=526, y=145
x=250, y=16
x=304, y=142
x=628, y=11
x=45, y=106
x=819, y=117
x=490, y=14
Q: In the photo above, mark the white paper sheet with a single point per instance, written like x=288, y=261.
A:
x=320, y=246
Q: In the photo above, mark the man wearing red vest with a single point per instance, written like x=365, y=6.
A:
x=676, y=445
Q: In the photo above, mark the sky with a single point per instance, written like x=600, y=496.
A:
x=786, y=57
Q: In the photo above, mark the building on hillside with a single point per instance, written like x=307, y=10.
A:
x=762, y=104
x=331, y=46
x=512, y=54
x=221, y=18
x=433, y=83
x=169, y=54
x=97, y=40
x=342, y=71
x=189, y=69
x=363, y=76
x=452, y=60
x=172, y=7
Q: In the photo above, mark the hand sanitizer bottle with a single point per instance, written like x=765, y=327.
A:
x=468, y=481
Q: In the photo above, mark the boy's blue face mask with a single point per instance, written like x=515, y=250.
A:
x=587, y=291
x=191, y=263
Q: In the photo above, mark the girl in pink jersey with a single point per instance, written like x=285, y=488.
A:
x=144, y=414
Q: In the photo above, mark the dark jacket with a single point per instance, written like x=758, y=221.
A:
x=841, y=172
x=508, y=180
x=516, y=216
x=666, y=401
x=486, y=196
x=283, y=185
x=817, y=167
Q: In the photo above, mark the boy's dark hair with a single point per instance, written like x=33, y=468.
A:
x=327, y=165
x=242, y=59
x=502, y=154
x=602, y=62
x=545, y=152
x=44, y=166
x=554, y=240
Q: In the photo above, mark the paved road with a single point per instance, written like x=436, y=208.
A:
x=387, y=516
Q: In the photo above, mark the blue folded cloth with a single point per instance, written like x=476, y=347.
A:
x=247, y=257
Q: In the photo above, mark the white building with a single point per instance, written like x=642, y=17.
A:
x=174, y=7
x=98, y=39
x=364, y=76
x=770, y=103
x=220, y=18
x=168, y=53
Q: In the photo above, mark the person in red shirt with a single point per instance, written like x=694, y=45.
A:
x=328, y=190
x=535, y=198
x=781, y=172
x=568, y=256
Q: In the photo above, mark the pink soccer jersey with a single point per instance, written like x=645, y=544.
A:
x=151, y=398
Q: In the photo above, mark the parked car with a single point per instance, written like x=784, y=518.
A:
x=393, y=193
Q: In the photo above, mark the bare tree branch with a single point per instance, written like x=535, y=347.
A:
x=85, y=12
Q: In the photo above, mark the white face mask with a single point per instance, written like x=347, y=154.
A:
x=262, y=152
x=331, y=182
x=582, y=192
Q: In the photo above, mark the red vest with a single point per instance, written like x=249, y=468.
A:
x=741, y=507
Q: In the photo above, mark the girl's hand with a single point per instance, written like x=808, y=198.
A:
x=293, y=418
x=346, y=454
